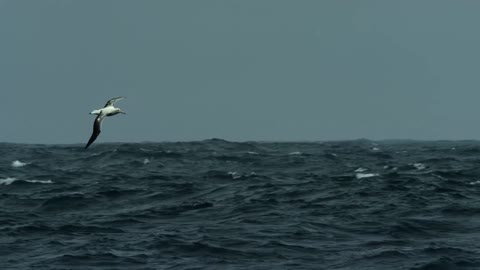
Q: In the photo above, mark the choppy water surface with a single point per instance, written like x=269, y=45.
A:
x=221, y=205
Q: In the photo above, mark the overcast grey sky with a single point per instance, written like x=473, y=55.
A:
x=240, y=70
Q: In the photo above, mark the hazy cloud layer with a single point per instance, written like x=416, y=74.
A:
x=240, y=70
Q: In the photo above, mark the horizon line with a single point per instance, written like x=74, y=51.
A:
x=257, y=141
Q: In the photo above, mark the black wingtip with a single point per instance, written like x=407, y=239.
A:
x=88, y=144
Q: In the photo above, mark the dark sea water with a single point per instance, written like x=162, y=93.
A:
x=222, y=205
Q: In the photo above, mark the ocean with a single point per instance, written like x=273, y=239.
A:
x=216, y=204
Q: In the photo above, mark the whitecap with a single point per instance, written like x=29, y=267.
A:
x=40, y=181
x=7, y=181
x=234, y=175
x=18, y=163
x=252, y=153
x=360, y=170
x=419, y=166
x=146, y=161
x=375, y=149
x=295, y=153
x=366, y=175
x=475, y=182
x=393, y=169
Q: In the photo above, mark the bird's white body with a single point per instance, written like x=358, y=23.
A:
x=107, y=110
x=96, y=112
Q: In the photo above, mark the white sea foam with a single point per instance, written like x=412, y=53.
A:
x=366, y=175
x=18, y=163
x=295, y=153
x=40, y=181
x=9, y=180
x=386, y=167
x=375, y=149
x=360, y=170
x=252, y=153
x=146, y=161
x=234, y=175
x=475, y=182
x=419, y=166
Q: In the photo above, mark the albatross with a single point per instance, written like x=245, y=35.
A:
x=107, y=110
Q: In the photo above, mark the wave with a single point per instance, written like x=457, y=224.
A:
x=447, y=262
x=366, y=175
x=18, y=163
x=10, y=180
x=220, y=204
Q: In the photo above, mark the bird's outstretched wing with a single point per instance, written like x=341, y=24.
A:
x=112, y=101
x=97, y=125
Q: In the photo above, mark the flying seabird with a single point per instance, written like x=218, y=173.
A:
x=107, y=110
